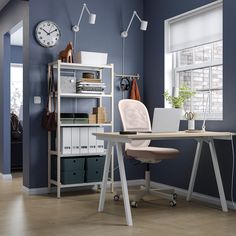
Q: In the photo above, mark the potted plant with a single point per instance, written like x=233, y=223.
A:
x=178, y=101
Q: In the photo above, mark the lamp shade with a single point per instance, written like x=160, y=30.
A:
x=143, y=25
x=92, y=19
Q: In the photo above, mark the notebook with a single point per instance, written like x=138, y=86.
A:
x=166, y=119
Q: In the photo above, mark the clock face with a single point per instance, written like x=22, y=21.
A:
x=47, y=33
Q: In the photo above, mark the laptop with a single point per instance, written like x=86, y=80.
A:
x=166, y=120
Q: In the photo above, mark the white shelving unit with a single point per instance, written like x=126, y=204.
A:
x=59, y=67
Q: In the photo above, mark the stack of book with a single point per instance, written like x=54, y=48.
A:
x=90, y=86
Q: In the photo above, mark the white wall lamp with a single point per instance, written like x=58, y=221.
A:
x=124, y=35
x=143, y=25
x=92, y=18
x=76, y=28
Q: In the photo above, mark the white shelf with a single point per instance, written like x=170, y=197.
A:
x=99, y=98
x=77, y=66
x=79, y=154
x=74, y=185
x=85, y=125
x=80, y=95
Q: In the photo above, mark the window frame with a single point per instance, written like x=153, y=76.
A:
x=190, y=68
x=171, y=71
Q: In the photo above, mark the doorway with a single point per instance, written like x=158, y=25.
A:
x=16, y=98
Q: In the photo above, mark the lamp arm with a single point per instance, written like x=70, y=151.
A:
x=130, y=22
x=86, y=8
x=135, y=13
x=81, y=14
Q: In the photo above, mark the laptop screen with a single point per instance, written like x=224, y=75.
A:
x=166, y=119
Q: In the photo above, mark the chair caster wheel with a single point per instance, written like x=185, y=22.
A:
x=116, y=198
x=134, y=204
x=175, y=196
x=172, y=203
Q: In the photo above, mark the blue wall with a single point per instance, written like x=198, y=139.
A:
x=104, y=36
x=16, y=54
x=177, y=172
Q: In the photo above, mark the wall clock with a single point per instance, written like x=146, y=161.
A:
x=47, y=33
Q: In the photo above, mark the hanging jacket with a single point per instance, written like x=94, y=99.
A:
x=134, y=92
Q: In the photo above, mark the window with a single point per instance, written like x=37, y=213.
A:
x=197, y=60
x=16, y=88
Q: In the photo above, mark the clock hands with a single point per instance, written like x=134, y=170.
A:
x=52, y=31
x=48, y=33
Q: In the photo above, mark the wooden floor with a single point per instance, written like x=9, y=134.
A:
x=76, y=214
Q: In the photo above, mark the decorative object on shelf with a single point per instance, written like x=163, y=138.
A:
x=100, y=114
x=178, y=101
x=47, y=33
x=124, y=35
x=143, y=25
x=76, y=28
x=66, y=54
x=68, y=84
x=49, y=118
x=190, y=117
x=92, y=118
x=92, y=58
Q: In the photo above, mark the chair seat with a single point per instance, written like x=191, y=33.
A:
x=152, y=154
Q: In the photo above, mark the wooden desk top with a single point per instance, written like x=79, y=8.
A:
x=117, y=137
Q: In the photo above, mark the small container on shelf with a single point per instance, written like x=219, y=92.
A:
x=92, y=118
x=81, y=118
x=67, y=118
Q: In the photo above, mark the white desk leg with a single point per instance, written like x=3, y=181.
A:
x=218, y=176
x=124, y=185
x=194, y=170
x=105, y=177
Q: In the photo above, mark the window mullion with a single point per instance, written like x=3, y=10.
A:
x=210, y=91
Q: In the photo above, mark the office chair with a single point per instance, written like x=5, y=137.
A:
x=135, y=117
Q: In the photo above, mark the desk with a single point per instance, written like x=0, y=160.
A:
x=116, y=139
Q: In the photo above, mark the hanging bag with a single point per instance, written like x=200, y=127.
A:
x=49, y=118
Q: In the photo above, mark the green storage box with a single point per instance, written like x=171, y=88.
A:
x=94, y=168
x=67, y=118
x=70, y=177
x=69, y=164
x=81, y=120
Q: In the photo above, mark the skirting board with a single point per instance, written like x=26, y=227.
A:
x=7, y=177
x=38, y=191
x=196, y=196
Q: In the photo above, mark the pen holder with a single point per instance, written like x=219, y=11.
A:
x=191, y=124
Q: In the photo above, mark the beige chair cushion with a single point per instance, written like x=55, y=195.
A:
x=152, y=154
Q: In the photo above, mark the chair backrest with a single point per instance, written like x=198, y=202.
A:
x=134, y=117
